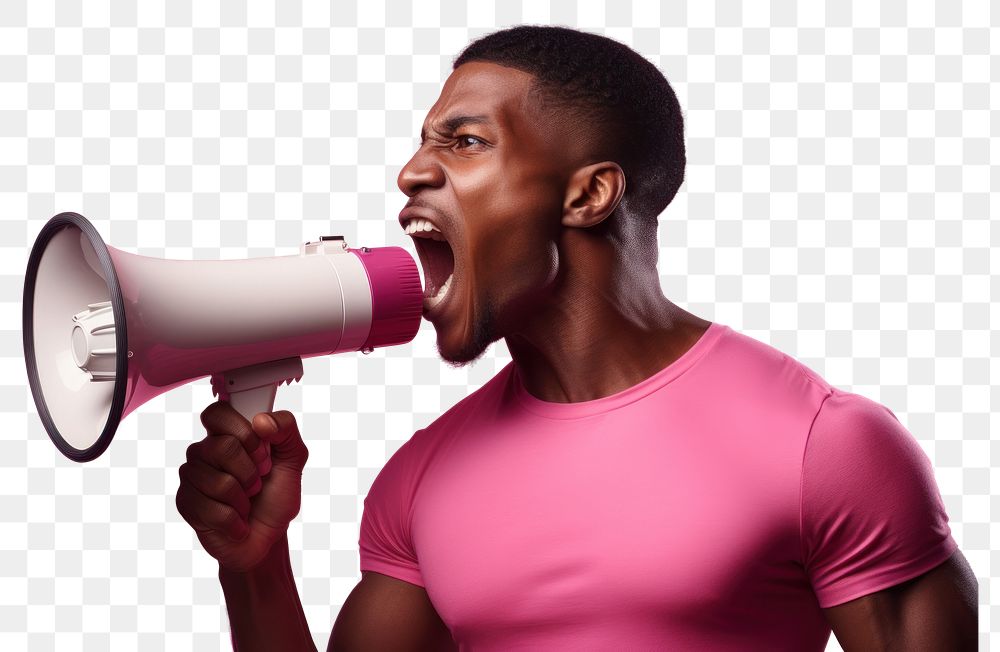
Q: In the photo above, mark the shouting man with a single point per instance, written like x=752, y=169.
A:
x=637, y=477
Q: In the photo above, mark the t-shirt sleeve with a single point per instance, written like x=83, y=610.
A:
x=385, y=545
x=871, y=512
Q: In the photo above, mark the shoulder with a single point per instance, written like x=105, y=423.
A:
x=851, y=430
x=861, y=470
x=859, y=454
x=761, y=384
x=871, y=513
x=751, y=361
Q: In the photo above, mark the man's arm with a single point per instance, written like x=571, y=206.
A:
x=384, y=613
x=934, y=611
x=381, y=613
x=265, y=612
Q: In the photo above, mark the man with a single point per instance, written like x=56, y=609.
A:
x=637, y=477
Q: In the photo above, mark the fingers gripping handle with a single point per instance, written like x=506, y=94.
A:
x=251, y=390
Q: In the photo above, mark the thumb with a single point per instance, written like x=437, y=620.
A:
x=281, y=431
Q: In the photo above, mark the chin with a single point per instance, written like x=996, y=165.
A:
x=461, y=347
x=463, y=354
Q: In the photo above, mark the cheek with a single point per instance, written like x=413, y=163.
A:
x=509, y=204
x=512, y=259
x=511, y=214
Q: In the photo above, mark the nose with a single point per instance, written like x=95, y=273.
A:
x=419, y=172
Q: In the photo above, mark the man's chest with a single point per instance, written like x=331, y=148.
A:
x=507, y=533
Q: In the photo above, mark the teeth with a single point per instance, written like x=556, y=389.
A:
x=418, y=224
x=441, y=293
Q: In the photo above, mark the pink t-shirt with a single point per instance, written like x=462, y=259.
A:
x=717, y=505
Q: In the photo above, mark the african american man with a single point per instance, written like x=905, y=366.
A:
x=637, y=477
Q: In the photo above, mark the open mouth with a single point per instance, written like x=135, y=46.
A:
x=438, y=262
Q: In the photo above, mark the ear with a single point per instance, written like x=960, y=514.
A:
x=593, y=192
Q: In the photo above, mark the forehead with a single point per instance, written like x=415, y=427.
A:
x=499, y=93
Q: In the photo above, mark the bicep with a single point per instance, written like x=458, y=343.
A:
x=933, y=611
x=384, y=613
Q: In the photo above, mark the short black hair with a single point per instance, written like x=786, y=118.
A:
x=634, y=114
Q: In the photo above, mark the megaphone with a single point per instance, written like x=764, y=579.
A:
x=105, y=330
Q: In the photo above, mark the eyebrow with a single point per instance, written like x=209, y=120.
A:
x=451, y=124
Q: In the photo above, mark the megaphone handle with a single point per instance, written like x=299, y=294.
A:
x=249, y=402
x=253, y=401
x=251, y=390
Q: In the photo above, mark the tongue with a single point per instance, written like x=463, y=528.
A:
x=439, y=265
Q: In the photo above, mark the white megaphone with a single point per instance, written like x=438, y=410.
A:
x=105, y=330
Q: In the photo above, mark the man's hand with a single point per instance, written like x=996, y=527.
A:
x=242, y=484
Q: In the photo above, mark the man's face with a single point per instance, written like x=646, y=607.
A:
x=490, y=174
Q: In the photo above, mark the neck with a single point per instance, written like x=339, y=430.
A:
x=605, y=327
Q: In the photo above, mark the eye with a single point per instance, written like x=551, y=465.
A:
x=468, y=140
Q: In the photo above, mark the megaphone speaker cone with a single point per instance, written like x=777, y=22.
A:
x=69, y=267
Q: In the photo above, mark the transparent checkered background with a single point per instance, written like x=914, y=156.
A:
x=837, y=206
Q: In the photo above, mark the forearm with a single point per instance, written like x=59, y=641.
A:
x=265, y=612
